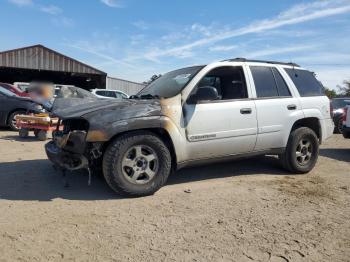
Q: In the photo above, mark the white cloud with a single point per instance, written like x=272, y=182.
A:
x=296, y=15
x=62, y=21
x=204, y=30
x=112, y=3
x=96, y=50
x=331, y=77
x=141, y=25
x=51, y=9
x=278, y=50
x=222, y=48
x=21, y=2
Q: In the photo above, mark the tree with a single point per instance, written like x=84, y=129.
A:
x=345, y=89
x=152, y=79
x=330, y=92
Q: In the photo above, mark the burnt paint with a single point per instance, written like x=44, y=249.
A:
x=109, y=117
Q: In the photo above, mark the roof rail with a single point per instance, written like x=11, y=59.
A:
x=239, y=59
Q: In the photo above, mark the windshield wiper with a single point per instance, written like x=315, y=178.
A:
x=145, y=96
x=149, y=96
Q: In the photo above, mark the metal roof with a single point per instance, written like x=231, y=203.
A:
x=39, y=57
x=238, y=59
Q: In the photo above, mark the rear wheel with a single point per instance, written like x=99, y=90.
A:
x=339, y=126
x=137, y=164
x=23, y=132
x=301, y=153
x=12, y=119
x=41, y=135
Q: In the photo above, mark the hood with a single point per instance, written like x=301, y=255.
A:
x=101, y=108
x=45, y=103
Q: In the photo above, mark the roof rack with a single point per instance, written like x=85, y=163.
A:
x=239, y=59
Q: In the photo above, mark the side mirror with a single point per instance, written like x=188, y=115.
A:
x=205, y=93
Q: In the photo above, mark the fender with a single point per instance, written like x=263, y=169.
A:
x=104, y=132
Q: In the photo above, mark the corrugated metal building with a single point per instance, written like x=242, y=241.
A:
x=128, y=87
x=39, y=63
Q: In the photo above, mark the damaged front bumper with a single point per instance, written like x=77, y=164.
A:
x=65, y=159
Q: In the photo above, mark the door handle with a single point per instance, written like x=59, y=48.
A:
x=292, y=107
x=245, y=111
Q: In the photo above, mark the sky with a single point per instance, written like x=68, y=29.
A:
x=135, y=39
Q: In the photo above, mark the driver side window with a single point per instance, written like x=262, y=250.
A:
x=229, y=82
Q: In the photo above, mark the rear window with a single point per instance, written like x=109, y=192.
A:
x=305, y=82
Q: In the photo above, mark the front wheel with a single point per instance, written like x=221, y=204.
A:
x=136, y=164
x=301, y=152
x=12, y=122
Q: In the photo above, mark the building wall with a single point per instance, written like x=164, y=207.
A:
x=128, y=87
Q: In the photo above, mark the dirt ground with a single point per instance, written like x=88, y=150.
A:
x=238, y=211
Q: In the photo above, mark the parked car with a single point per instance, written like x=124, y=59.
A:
x=338, y=105
x=201, y=114
x=103, y=93
x=12, y=105
x=346, y=121
x=22, y=85
x=14, y=90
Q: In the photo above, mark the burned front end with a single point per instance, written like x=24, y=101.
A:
x=69, y=148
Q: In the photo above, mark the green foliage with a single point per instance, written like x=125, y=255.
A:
x=345, y=89
x=330, y=92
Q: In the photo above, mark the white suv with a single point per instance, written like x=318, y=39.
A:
x=200, y=114
x=104, y=93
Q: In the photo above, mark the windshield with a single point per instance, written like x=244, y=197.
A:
x=171, y=83
x=73, y=92
x=339, y=103
x=6, y=92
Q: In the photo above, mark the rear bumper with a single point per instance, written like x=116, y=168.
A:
x=65, y=159
x=327, y=126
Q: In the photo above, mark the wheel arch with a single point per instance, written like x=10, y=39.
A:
x=160, y=132
x=311, y=122
x=12, y=111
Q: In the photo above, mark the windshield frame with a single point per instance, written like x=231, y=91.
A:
x=198, y=67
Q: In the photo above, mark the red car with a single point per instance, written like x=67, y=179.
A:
x=14, y=89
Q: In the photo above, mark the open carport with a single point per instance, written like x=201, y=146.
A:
x=39, y=63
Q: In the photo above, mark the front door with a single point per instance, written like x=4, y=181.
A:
x=227, y=125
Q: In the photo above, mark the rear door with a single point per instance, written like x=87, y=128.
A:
x=277, y=108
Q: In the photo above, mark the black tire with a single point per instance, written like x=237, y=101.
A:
x=36, y=132
x=115, y=153
x=339, y=126
x=23, y=132
x=41, y=135
x=346, y=134
x=289, y=159
x=11, y=119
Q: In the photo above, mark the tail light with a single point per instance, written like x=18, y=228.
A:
x=345, y=115
x=331, y=109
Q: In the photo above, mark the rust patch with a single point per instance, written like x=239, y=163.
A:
x=96, y=136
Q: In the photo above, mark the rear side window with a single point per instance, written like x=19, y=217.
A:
x=269, y=82
x=282, y=87
x=305, y=82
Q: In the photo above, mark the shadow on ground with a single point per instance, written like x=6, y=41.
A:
x=340, y=154
x=37, y=180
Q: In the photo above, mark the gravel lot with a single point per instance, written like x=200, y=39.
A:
x=238, y=211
